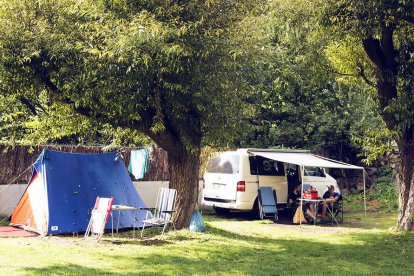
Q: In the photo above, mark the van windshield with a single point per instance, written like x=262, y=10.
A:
x=225, y=163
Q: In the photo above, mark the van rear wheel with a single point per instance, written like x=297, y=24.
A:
x=256, y=210
x=221, y=211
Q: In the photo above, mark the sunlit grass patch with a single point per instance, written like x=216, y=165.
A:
x=235, y=245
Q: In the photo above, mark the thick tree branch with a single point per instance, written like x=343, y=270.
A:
x=405, y=13
x=362, y=74
x=373, y=49
x=142, y=125
x=28, y=104
x=389, y=53
x=409, y=19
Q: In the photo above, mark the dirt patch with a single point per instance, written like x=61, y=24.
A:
x=373, y=205
x=153, y=242
x=317, y=229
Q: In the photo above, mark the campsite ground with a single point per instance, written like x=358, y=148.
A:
x=233, y=245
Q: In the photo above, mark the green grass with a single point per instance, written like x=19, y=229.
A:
x=3, y=221
x=235, y=246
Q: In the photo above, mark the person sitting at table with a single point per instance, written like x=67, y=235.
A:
x=294, y=195
x=307, y=207
x=330, y=198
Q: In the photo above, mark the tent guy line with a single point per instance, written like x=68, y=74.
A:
x=11, y=182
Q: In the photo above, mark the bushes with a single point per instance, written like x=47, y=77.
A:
x=384, y=190
x=381, y=196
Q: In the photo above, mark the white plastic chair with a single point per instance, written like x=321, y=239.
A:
x=100, y=214
x=161, y=215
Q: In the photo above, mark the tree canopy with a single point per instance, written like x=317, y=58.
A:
x=324, y=75
x=164, y=68
x=381, y=34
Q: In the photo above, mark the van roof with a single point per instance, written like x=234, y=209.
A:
x=273, y=150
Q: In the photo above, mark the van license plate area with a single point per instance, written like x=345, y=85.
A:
x=217, y=186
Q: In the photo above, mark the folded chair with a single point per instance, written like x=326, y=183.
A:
x=267, y=203
x=100, y=214
x=161, y=215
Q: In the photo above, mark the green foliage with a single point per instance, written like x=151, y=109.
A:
x=373, y=40
x=298, y=99
x=156, y=67
x=375, y=144
x=381, y=195
x=385, y=191
x=167, y=69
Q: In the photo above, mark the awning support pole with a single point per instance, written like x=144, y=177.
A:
x=302, y=174
x=365, y=196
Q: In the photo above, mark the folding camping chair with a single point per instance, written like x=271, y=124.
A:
x=337, y=212
x=267, y=203
x=161, y=215
x=100, y=214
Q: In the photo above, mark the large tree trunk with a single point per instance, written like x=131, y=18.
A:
x=384, y=56
x=184, y=170
x=405, y=184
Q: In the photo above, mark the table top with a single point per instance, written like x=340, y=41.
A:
x=123, y=207
x=315, y=200
x=311, y=200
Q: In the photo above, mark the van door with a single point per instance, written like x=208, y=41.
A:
x=221, y=177
x=270, y=173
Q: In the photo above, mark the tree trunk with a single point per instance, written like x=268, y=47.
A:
x=184, y=170
x=405, y=184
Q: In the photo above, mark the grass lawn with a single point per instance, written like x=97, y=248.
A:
x=235, y=245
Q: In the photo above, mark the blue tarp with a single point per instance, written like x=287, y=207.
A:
x=73, y=181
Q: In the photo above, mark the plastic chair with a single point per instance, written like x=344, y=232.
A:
x=99, y=217
x=267, y=203
x=161, y=215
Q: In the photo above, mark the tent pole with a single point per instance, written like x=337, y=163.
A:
x=365, y=196
x=302, y=174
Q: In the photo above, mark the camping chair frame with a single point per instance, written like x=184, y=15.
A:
x=337, y=210
x=99, y=217
x=267, y=208
x=162, y=214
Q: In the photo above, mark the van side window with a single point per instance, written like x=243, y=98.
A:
x=314, y=171
x=263, y=166
x=225, y=163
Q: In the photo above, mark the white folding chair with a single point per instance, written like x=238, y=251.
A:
x=99, y=216
x=161, y=215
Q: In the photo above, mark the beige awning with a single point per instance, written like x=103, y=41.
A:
x=302, y=158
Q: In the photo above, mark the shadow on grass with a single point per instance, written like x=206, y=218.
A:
x=66, y=269
x=226, y=252
x=285, y=217
x=352, y=219
x=361, y=253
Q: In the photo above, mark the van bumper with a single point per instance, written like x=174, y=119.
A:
x=241, y=205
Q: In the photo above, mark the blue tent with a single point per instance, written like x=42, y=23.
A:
x=63, y=189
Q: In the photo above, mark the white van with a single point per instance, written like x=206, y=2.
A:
x=232, y=179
